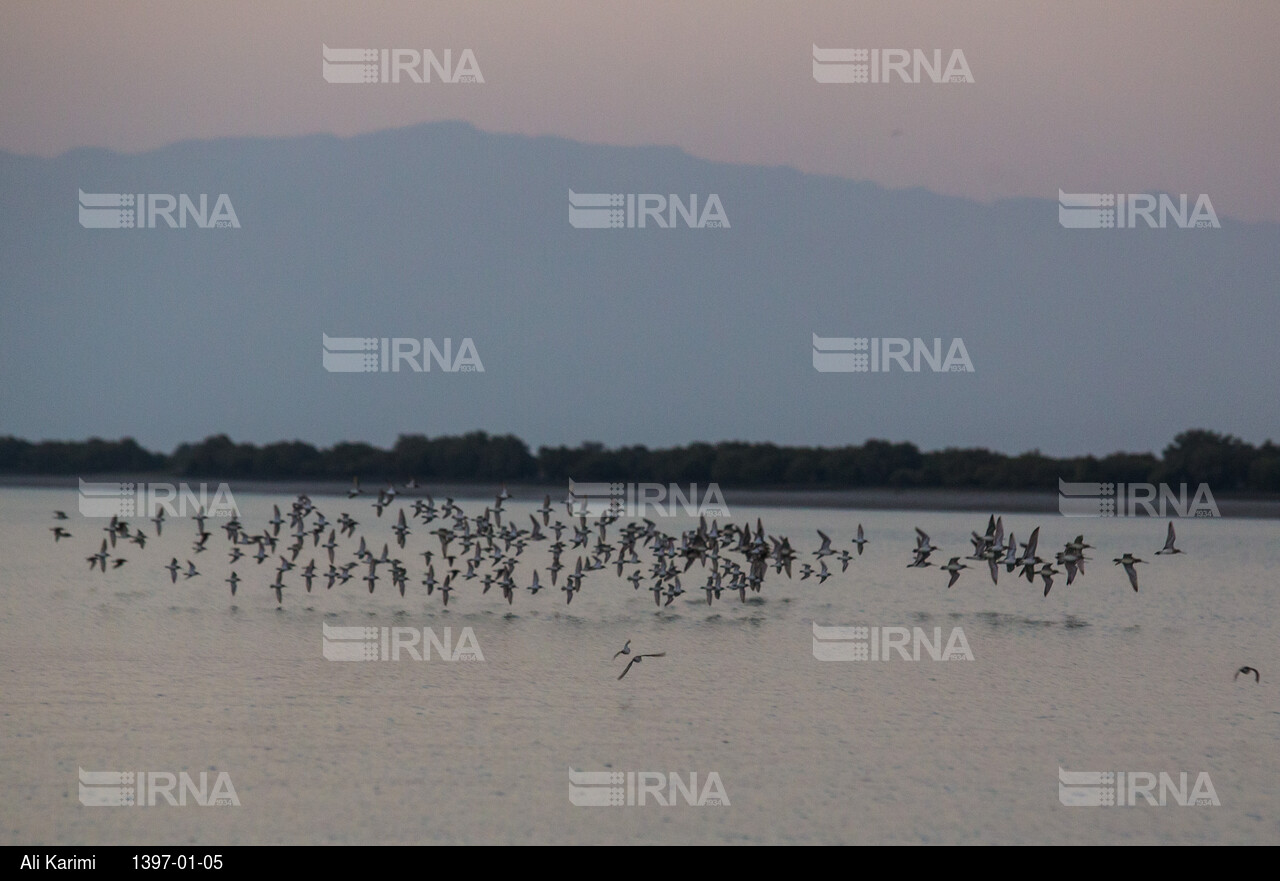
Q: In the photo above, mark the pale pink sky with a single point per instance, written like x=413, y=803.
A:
x=1085, y=96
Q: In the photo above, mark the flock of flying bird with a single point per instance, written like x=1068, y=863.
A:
x=485, y=549
x=480, y=548
x=995, y=549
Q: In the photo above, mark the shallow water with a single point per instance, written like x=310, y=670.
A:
x=126, y=671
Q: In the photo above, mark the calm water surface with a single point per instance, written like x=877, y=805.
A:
x=124, y=670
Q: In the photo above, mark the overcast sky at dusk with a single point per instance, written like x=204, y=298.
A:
x=1089, y=97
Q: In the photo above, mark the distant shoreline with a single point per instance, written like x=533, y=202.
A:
x=861, y=499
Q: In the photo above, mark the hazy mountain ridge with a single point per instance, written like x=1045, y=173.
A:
x=1081, y=340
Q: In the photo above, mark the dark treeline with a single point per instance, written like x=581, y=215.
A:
x=1226, y=463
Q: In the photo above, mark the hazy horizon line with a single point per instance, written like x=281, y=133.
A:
x=518, y=136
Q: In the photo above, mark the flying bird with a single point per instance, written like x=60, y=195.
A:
x=826, y=546
x=1047, y=572
x=1168, y=542
x=1127, y=562
x=638, y=658
x=1257, y=677
x=954, y=567
x=100, y=558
